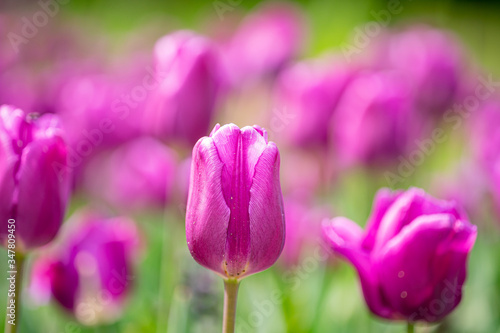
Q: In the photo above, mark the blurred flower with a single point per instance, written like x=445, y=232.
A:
x=302, y=227
x=99, y=108
x=182, y=107
x=34, y=184
x=235, y=223
x=307, y=94
x=412, y=258
x=90, y=273
x=266, y=41
x=431, y=60
x=137, y=175
x=374, y=122
x=485, y=130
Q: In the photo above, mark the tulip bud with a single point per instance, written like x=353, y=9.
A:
x=235, y=223
x=374, y=122
x=437, y=67
x=188, y=73
x=307, y=94
x=264, y=43
x=412, y=258
x=90, y=273
x=34, y=182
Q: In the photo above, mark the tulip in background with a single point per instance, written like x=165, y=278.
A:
x=181, y=108
x=34, y=185
x=412, y=257
x=437, y=69
x=374, y=122
x=137, y=175
x=309, y=92
x=264, y=43
x=90, y=272
x=235, y=224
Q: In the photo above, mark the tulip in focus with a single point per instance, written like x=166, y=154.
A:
x=90, y=272
x=34, y=185
x=181, y=108
x=235, y=224
x=412, y=257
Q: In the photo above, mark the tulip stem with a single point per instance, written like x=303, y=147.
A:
x=230, y=296
x=14, y=291
x=411, y=327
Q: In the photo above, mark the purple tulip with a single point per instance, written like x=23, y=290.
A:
x=374, y=122
x=437, y=68
x=307, y=94
x=138, y=175
x=33, y=190
x=235, y=223
x=90, y=272
x=412, y=258
x=188, y=67
x=264, y=43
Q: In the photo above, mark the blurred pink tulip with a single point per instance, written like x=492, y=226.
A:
x=375, y=122
x=266, y=41
x=34, y=184
x=307, y=94
x=90, y=272
x=189, y=72
x=137, y=175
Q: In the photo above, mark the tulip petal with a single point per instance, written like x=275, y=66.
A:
x=207, y=216
x=437, y=244
x=43, y=192
x=406, y=208
x=383, y=200
x=345, y=237
x=267, y=219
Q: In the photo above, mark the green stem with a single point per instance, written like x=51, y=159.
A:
x=411, y=327
x=230, y=296
x=14, y=296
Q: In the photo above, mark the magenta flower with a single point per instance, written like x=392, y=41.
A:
x=235, y=224
x=188, y=70
x=137, y=175
x=412, y=258
x=306, y=96
x=264, y=43
x=34, y=186
x=437, y=67
x=90, y=272
x=374, y=122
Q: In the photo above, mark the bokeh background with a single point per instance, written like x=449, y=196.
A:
x=90, y=53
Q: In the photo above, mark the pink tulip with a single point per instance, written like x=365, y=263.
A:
x=181, y=108
x=34, y=184
x=90, y=272
x=307, y=94
x=266, y=41
x=412, y=257
x=137, y=175
x=235, y=223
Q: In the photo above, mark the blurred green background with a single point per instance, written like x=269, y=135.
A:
x=173, y=294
